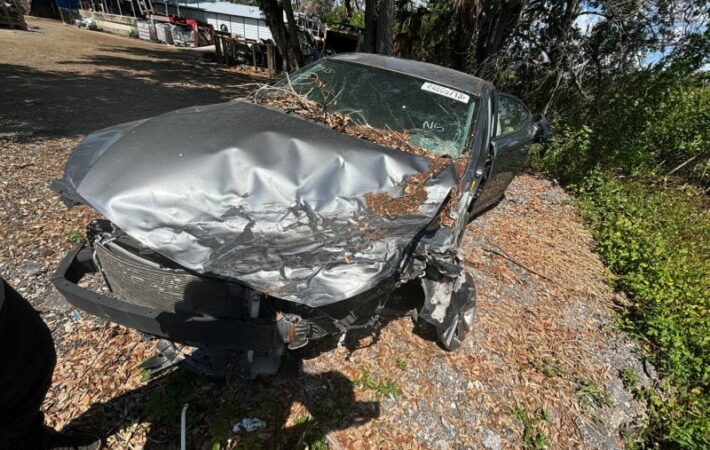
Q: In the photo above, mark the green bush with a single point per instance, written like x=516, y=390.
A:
x=568, y=154
x=650, y=129
x=677, y=131
x=625, y=140
x=654, y=127
x=337, y=15
x=656, y=239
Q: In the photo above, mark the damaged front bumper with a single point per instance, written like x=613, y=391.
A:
x=152, y=295
x=241, y=335
x=215, y=317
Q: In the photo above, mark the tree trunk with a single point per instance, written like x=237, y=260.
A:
x=466, y=17
x=560, y=54
x=385, y=14
x=378, y=26
x=294, y=41
x=348, y=8
x=370, y=26
x=286, y=42
x=497, y=21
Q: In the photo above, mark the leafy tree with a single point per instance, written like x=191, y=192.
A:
x=338, y=15
x=467, y=35
x=575, y=50
x=318, y=8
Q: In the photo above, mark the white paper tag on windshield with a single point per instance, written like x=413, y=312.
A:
x=446, y=92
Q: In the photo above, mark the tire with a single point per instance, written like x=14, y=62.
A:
x=453, y=336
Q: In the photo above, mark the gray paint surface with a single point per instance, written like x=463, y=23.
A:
x=248, y=193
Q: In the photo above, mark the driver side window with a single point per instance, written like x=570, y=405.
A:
x=512, y=115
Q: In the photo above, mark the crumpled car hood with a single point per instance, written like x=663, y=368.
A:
x=251, y=194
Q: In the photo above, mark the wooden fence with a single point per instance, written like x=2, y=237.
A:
x=237, y=51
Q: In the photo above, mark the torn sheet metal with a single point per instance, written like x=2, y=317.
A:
x=247, y=193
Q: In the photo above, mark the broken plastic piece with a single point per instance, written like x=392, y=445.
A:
x=249, y=424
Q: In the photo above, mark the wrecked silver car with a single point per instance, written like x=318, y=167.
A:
x=266, y=223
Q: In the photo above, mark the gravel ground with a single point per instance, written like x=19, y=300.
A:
x=542, y=366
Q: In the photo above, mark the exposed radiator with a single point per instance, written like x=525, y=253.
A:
x=142, y=282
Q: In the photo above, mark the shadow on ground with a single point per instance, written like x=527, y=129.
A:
x=317, y=403
x=326, y=400
x=115, y=85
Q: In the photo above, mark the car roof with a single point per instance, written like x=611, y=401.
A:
x=431, y=72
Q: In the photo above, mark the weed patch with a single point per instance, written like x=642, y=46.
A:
x=76, y=237
x=165, y=402
x=656, y=240
x=546, y=366
x=382, y=388
x=534, y=434
x=593, y=395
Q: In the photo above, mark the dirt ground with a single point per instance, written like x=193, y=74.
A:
x=542, y=368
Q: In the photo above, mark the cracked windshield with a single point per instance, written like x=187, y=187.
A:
x=434, y=117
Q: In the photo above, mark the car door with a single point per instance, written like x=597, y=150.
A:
x=512, y=136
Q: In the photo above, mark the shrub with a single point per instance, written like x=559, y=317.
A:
x=621, y=152
x=569, y=152
x=656, y=239
x=682, y=132
x=651, y=129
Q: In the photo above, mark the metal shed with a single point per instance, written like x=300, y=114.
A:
x=242, y=20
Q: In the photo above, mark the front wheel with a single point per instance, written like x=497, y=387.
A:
x=453, y=336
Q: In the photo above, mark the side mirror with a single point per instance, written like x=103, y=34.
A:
x=543, y=131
